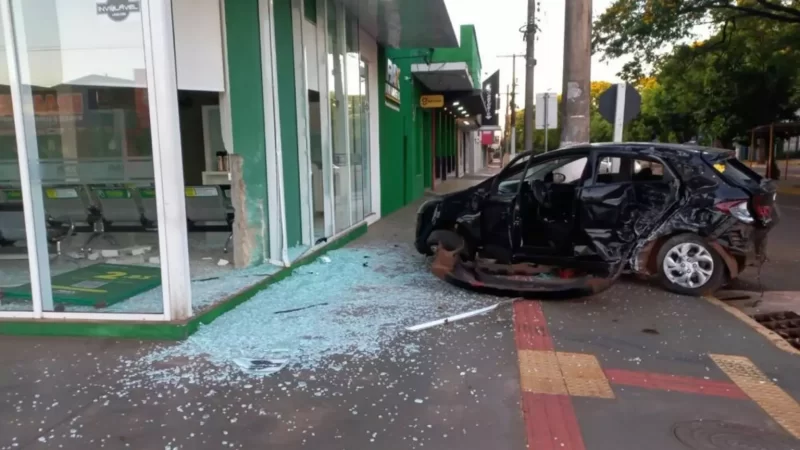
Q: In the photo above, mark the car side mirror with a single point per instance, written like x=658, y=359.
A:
x=559, y=177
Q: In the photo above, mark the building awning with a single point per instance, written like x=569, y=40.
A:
x=405, y=23
x=444, y=77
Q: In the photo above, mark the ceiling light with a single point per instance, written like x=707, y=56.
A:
x=456, y=103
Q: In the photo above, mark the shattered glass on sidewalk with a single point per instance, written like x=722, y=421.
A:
x=353, y=305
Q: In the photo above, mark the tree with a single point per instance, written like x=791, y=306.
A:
x=719, y=95
x=644, y=29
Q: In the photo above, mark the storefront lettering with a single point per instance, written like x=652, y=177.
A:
x=118, y=10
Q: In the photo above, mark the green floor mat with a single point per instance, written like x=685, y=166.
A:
x=98, y=285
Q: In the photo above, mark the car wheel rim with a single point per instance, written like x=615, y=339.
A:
x=688, y=265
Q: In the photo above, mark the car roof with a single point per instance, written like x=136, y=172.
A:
x=709, y=152
x=664, y=146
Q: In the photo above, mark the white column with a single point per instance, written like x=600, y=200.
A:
x=162, y=92
x=28, y=156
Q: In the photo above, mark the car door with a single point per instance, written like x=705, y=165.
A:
x=546, y=207
x=622, y=203
x=497, y=210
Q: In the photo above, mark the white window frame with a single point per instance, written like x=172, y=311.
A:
x=276, y=201
x=326, y=138
x=159, y=51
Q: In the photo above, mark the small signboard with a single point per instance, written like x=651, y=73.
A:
x=546, y=111
x=392, y=82
x=431, y=101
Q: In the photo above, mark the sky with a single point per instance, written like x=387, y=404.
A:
x=497, y=25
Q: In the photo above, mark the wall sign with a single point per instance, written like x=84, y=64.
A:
x=392, y=82
x=118, y=10
x=431, y=101
x=490, y=95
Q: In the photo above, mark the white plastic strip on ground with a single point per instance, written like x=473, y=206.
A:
x=456, y=317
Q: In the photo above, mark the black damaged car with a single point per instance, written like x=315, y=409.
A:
x=568, y=223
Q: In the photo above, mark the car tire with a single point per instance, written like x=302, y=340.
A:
x=450, y=240
x=687, y=265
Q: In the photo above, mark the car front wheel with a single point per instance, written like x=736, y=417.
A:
x=687, y=265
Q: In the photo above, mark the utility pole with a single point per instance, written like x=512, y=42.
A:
x=508, y=119
x=512, y=103
x=530, y=64
x=577, y=71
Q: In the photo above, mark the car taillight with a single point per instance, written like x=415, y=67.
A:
x=763, y=211
x=736, y=208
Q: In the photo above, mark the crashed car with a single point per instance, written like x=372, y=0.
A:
x=569, y=222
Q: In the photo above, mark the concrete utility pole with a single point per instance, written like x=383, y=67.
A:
x=577, y=71
x=530, y=64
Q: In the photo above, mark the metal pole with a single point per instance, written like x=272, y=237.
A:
x=546, y=122
x=619, y=113
x=577, y=71
x=771, y=149
x=513, y=102
x=513, y=142
x=530, y=63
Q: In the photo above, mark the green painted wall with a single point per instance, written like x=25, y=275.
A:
x=391, y=147
x=284, y=52
x=406, y=150
x=247, y=111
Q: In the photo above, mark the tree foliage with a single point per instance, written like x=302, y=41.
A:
x=644, y=29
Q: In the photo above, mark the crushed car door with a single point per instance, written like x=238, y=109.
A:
x=547, y=203
x=626, y=198
x=497, y=210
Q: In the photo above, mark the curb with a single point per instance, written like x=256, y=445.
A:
x=770, y=335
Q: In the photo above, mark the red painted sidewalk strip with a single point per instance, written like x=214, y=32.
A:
x=530, y=327
x=550, y=420
x=675, y=383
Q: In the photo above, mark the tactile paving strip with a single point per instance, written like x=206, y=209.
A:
x=556, y=373
x=583, y=375
x=772, y=399
x=539, y=373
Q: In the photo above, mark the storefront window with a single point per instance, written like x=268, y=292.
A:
x=14, y=266
x=85, y=70
x=355, y=109
x=339, y=116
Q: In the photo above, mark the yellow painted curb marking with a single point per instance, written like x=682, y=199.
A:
x=558, y=373
x=771, y=398
x=771, y=336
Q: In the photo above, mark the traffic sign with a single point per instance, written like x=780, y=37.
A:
x=431, y=101
x=607, y=103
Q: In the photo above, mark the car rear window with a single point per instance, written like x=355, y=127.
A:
x=735, y=171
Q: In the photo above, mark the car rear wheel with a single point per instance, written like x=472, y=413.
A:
x=687, y=265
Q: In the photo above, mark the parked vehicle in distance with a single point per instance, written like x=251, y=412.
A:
x=568, y=222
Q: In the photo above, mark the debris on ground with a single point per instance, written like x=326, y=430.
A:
x=223, y=262
x=286, y=311
x=261, y=366
x=456, y=317
x=326, y=311
x=325, y=259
